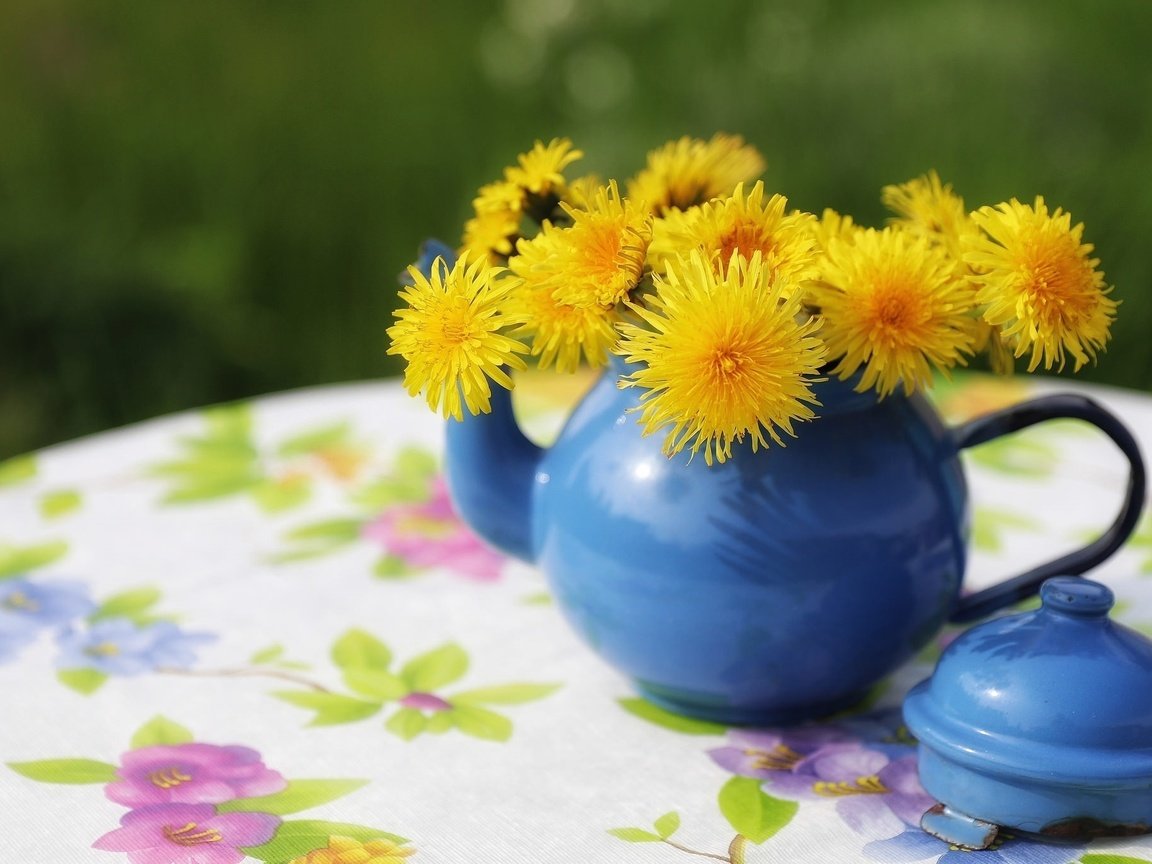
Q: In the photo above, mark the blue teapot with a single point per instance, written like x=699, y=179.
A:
x=779, y=586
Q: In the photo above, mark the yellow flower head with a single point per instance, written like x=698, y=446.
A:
x=560, y=332
x=489, y=235
x=582, y=191
x=1038, y=284
x=891, y=303
x=449, y=332
x=929, y=208
x=835, y=226
x=724, y=357
x=345, y=850
x=602, y=253
x=690, y=171
x=740, y=224
x=499, y=197
x=540, y=171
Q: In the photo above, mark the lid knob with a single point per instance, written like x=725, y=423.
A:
x=1072, y=595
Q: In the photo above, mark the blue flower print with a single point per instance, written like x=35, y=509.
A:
x=915, y=845
x=13, y=637
x=122, y=647
x=42, y=604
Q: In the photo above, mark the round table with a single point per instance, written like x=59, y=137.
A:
x=258, y=632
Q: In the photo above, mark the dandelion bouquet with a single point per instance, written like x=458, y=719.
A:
x=730, y=305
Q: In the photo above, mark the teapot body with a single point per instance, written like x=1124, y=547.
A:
x=776, y=587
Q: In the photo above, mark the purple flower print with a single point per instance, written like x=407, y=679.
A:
x=122, y=647
x=874, y=793
x=191, y=774
x=187, y=834
x=863, y=764
x=765, y=754
x=42, y=604
x=430, y=534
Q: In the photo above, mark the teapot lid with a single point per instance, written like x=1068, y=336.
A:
x=1061, y=694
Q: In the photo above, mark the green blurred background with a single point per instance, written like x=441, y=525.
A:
x=206, y=201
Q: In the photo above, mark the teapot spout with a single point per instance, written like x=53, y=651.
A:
x=491, y=467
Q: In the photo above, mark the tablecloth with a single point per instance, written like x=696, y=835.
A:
x=258, y=632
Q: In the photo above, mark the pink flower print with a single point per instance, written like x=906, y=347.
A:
x=187, y=834
x=191, y=774
x=430, y=534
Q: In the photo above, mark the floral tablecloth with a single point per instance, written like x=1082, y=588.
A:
x=258, y=632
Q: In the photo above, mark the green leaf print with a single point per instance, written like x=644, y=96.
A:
x=267, y=655
x=276, y=496
x=331, y=708
x=507, y=694
x=299, y=837
x=17, y=470
x=1112, y=859
x=366, y=666
x=656, y=715
x=375, y=684
x=406, y=483
x=226, y=460
x=481, y=723
x=436, y=668
x=160, y=730
x=1020, y=455
x=133, y=605
x=407, y=723
x=72, y=771
x=752, y=812
x=361, y=650
x=59, y=503
x=635, y=835
x=316, y=539
x=667, y=825
x=296, y=796
x=83, y=681
x=18, y=560
x=391, y=567
x=316, y=439
x=989, y=525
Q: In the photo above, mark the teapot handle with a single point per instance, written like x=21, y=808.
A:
x=1060, y=405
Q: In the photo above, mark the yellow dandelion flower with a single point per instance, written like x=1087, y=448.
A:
x=929, y=208
x=560, y=333
x=740, y=224
x=691, y=171
x=499, y=197
x=345, y=850
x=490, y=235
x=602, y=253
x=1038, y=283
x=724, y=356
x=449, y=332
x=540, y=171
x=990, y=339
x=892, y=305
x=835, y=226
x=582, y=191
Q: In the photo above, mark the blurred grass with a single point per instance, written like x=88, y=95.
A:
x=201, y=202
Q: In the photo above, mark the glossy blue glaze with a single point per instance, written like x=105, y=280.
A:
x=1042, y=721
x=776, y=587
